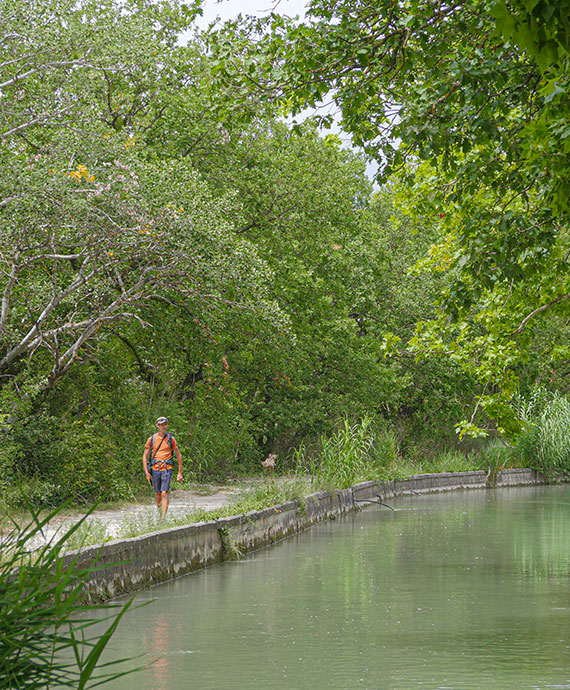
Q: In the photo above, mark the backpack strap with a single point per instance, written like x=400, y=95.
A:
x=152, y=456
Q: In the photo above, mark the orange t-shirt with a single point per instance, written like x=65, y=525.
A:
x=164, y=458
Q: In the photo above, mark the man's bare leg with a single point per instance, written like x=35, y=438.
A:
x=158, y=500
x=165, y=500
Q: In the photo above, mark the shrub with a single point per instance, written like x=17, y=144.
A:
x=88, y=466
x=32, y=491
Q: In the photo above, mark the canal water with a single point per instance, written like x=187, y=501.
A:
x=461, y=590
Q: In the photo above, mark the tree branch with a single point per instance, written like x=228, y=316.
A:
x=45, y=117
x=43, y=68
x=7, y=293
x=532, y=314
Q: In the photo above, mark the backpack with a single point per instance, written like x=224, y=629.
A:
x=151, y=460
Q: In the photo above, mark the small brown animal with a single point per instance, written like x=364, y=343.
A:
x=269, y=462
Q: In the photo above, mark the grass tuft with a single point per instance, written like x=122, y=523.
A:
x=544, y=443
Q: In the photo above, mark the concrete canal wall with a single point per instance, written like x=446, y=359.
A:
x=129, y=565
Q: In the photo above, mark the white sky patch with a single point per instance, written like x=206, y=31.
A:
x=229, y=9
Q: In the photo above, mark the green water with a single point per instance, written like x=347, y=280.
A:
x=457, y=590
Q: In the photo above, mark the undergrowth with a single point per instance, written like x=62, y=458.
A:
x=356, y=452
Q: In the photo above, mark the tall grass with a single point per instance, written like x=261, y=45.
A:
x=44, y=642
x=494, y=457
x=271, y=493
x=450, y=461
x=86, y=532
x=544, y=443
x=356, y=452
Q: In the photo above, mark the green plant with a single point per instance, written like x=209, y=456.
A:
x=354, y=453
x=230, y=549
x=31, y=491
x=304, y=462
x=142, y=522
x=494, y=457
x=44, y=641
x=271, y=493
x=87, y=466
x=529, y=408
x=90, y=531
x=385, y=450
x=451, y=461
x=544, y=443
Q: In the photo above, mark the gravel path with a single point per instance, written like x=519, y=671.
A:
x=113, y=521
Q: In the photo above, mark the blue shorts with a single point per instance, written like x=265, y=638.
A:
x=161, y=480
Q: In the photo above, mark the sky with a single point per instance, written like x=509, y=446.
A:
x=228, y=9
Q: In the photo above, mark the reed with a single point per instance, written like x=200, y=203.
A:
x=544, y=443
x=354, y=453
x=44, y=641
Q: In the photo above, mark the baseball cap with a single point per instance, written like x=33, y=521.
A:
x=161, y=420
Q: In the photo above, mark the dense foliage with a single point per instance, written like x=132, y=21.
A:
x=171, y=246
x=468, y=102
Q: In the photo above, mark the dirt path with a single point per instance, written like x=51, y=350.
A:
x=113, y=521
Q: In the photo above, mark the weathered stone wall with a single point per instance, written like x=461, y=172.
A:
x=129, y=565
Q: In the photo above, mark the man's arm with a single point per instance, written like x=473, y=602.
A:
x=145, y=464
x=179, y=458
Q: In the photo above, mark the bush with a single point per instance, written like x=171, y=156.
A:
x=32, y=491
x=61, y=458
x=88, y=467
x=222, y=441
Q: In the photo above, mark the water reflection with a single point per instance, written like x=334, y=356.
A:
x=467, y=590
x=161, y=639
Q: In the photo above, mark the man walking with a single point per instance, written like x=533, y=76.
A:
x=161, y=447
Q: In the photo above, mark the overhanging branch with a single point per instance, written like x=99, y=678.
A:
x=532, y=314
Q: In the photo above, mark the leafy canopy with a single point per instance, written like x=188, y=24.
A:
x=479, y=92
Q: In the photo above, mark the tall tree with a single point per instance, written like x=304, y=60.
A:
x=92, y=226
x=479, y=91
x=98, y=224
